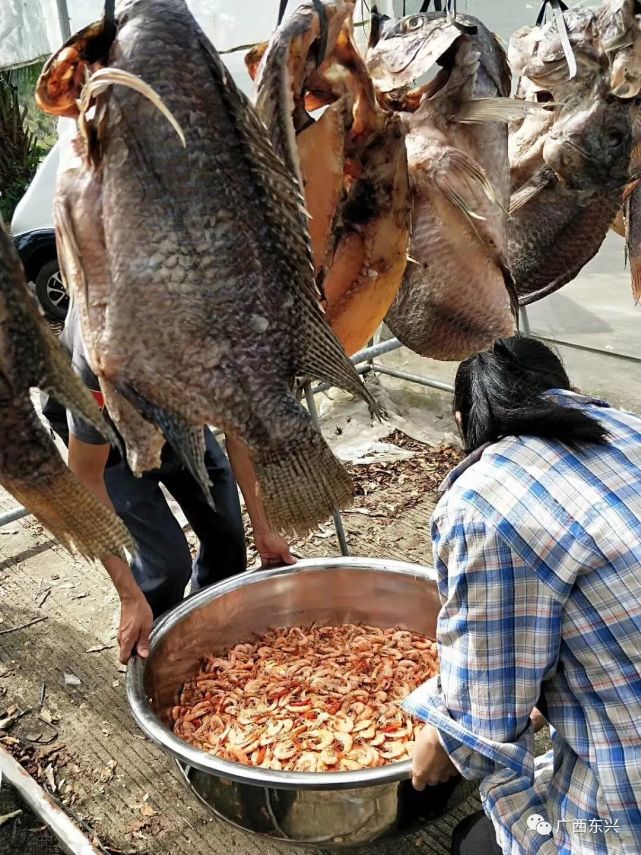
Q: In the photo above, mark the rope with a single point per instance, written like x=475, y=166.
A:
x=450, y=11
x=558, y=8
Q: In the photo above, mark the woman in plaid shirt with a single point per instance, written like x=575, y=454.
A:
x=537, y=547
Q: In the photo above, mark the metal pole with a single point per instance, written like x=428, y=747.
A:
x=338, y=520
x=323, y=387
x=12, y=516
x=70, y=837
x=583, y=348
x=63, y=20
x=377, y=350
x=413, y=378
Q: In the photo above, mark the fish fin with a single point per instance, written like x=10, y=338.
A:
x=480, y=110
x=635, y=277
x=143, y=441
x=513, y=294
x=51, y=370
x=53, y=494
x=302, y=483
x=74, y=516
x=455, y=175
x=186, y=440
x=632, y=195
x=313, y=360
x=105, y=77
x=62, y=383
x=530, y=190
x=630, y=188
x=522, y=196
x=318, y=351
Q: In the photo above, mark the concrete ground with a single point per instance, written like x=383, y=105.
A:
x=110, y=775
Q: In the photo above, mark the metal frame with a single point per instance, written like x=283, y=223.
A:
x=364, y=359
x=365, y=362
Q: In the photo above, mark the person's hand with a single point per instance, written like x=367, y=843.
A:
x=431, y=764
x=136, y=619
x=273, y=549
x=537, y=719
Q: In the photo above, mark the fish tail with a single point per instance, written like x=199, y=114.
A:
x=186, y=440
x=61, y=382
x=635, y=275
x=73, y=515
x=302, y=483
x=189, y=444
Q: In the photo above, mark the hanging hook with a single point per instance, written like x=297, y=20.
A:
x=323, y=26
x=450, y=11
x=558, y=8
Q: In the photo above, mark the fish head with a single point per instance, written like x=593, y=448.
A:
x=537, y=53
x=407, y=48
x=619, y=29
x=60, y=85
x=625, y=70
x=590, y=143
x=615, y=19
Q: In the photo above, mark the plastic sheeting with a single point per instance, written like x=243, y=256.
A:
x=30, y=29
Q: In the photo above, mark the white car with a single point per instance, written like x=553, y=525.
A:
x=35, y=239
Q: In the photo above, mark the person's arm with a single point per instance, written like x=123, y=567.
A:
x=87, y=462
x=272, y=548
x=499, y=637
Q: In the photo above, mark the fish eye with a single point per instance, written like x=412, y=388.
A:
x=415, y=22
x=544, y=97
x=615, y=139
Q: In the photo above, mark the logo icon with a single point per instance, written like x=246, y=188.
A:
x=536, y=822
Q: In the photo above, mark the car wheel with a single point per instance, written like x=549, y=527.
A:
x=51, y=291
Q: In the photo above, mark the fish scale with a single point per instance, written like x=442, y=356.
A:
x=212, y=303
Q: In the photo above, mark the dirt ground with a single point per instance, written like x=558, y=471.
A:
x=106, y=772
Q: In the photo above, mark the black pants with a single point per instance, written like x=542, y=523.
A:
x=163, y=564
x=475, y=836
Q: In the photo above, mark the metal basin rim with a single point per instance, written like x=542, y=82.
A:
x=159, y=734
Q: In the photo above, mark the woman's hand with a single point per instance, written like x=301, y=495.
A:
x=431, y=764
x=537, y=719
x=136, y=619
x=272, y=548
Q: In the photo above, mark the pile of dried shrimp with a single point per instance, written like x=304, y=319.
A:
x=323, y=698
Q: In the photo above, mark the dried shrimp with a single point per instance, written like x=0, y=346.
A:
x=309, y=699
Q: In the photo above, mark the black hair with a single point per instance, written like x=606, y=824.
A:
x=501, y=392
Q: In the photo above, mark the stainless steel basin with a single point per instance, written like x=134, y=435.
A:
x=330, y=809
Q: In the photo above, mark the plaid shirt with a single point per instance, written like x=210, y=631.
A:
x=538, y=554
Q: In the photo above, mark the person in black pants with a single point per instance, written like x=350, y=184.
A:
x=161, y=568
